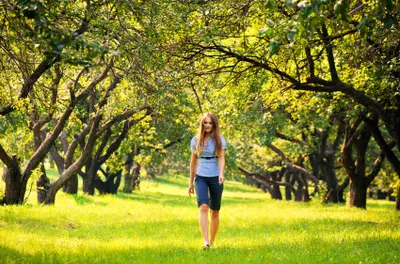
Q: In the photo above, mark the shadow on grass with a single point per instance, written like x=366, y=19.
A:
x=241, y=201
x=82, y=200
x=240, y=187
x=181, y=200
x=379, y=204
x=85, y=199
x=10, y=255
x=168, y=181
x=154, y=198
x=170, y=225
x=182, y=182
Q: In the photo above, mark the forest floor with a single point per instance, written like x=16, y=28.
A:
x=159, y=224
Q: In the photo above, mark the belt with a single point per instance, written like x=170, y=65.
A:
x=208, y=158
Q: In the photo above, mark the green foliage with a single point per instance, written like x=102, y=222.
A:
x=323, y=191
x=168, y=56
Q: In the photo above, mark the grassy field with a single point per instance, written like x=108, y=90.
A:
x=158, y=224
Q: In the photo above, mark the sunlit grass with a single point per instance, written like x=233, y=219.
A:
x=158, y=224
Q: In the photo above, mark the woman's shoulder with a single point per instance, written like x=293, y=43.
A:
x=194, y=140
x=223, y=141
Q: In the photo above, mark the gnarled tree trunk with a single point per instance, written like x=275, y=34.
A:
x=71, y=186
x=358, y=193
x=42, y=185
x=13, y=188
x=91, y=175
x=132, y=175
x=359, y=181
x=111, y=185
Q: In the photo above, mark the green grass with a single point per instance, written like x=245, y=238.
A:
x=158, y=224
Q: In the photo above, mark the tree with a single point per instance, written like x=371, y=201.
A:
x=46, y=27
x=318, y=46
x=29, y=23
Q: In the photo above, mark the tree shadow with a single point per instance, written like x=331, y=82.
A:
x=85, y=199
x=171, y=182
x=174, y=226
x=235, y=187
x=181, y=200
x=12, y=255
x=229, y=185
x=378, y=204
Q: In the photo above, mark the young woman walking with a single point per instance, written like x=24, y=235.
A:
x=207, y=174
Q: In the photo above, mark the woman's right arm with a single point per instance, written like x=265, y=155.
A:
x=193, y=169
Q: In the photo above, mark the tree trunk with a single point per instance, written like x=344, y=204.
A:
x=42, y=185
x=359, y=181
x=315, y=161
x=87, y=187
x=306, y=194
x=71, y=186
x=381, y=195
x=13, y=188
x=91, y=176
x=111, y=185
x=398, y=199
x=136, y=177
x=358, y=194
x=127, y=176
x=331, y=179
x=384, y=146
x=276, y=192
x=288, y=193
x=132, y=175
x=298, y=193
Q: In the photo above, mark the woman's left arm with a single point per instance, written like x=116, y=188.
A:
x=221, y=164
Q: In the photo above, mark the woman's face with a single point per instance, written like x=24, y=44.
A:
x=207, y=125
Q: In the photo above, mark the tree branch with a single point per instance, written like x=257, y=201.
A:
x=282, y=136
x=43, y=67
x=4, y=157
x=292, y=166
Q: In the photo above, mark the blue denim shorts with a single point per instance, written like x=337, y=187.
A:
x=208, y=191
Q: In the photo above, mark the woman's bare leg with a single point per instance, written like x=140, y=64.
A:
x=203, y=221
x=214, y=225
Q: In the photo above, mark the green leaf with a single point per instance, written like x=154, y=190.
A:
x=388, y=22
x=274, y=47
x=304, y=42
x=307, y=11
x=261, y=32
x=389, y=4
x=291, y=34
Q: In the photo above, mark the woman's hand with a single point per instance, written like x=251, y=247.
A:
x=191, y=190
x=221, y=179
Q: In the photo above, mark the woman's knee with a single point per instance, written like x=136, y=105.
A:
x=204, y=208
x=214, y=213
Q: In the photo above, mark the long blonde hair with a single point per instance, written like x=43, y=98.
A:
x=215, y=134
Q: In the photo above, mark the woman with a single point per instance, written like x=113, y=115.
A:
x=207, y=172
